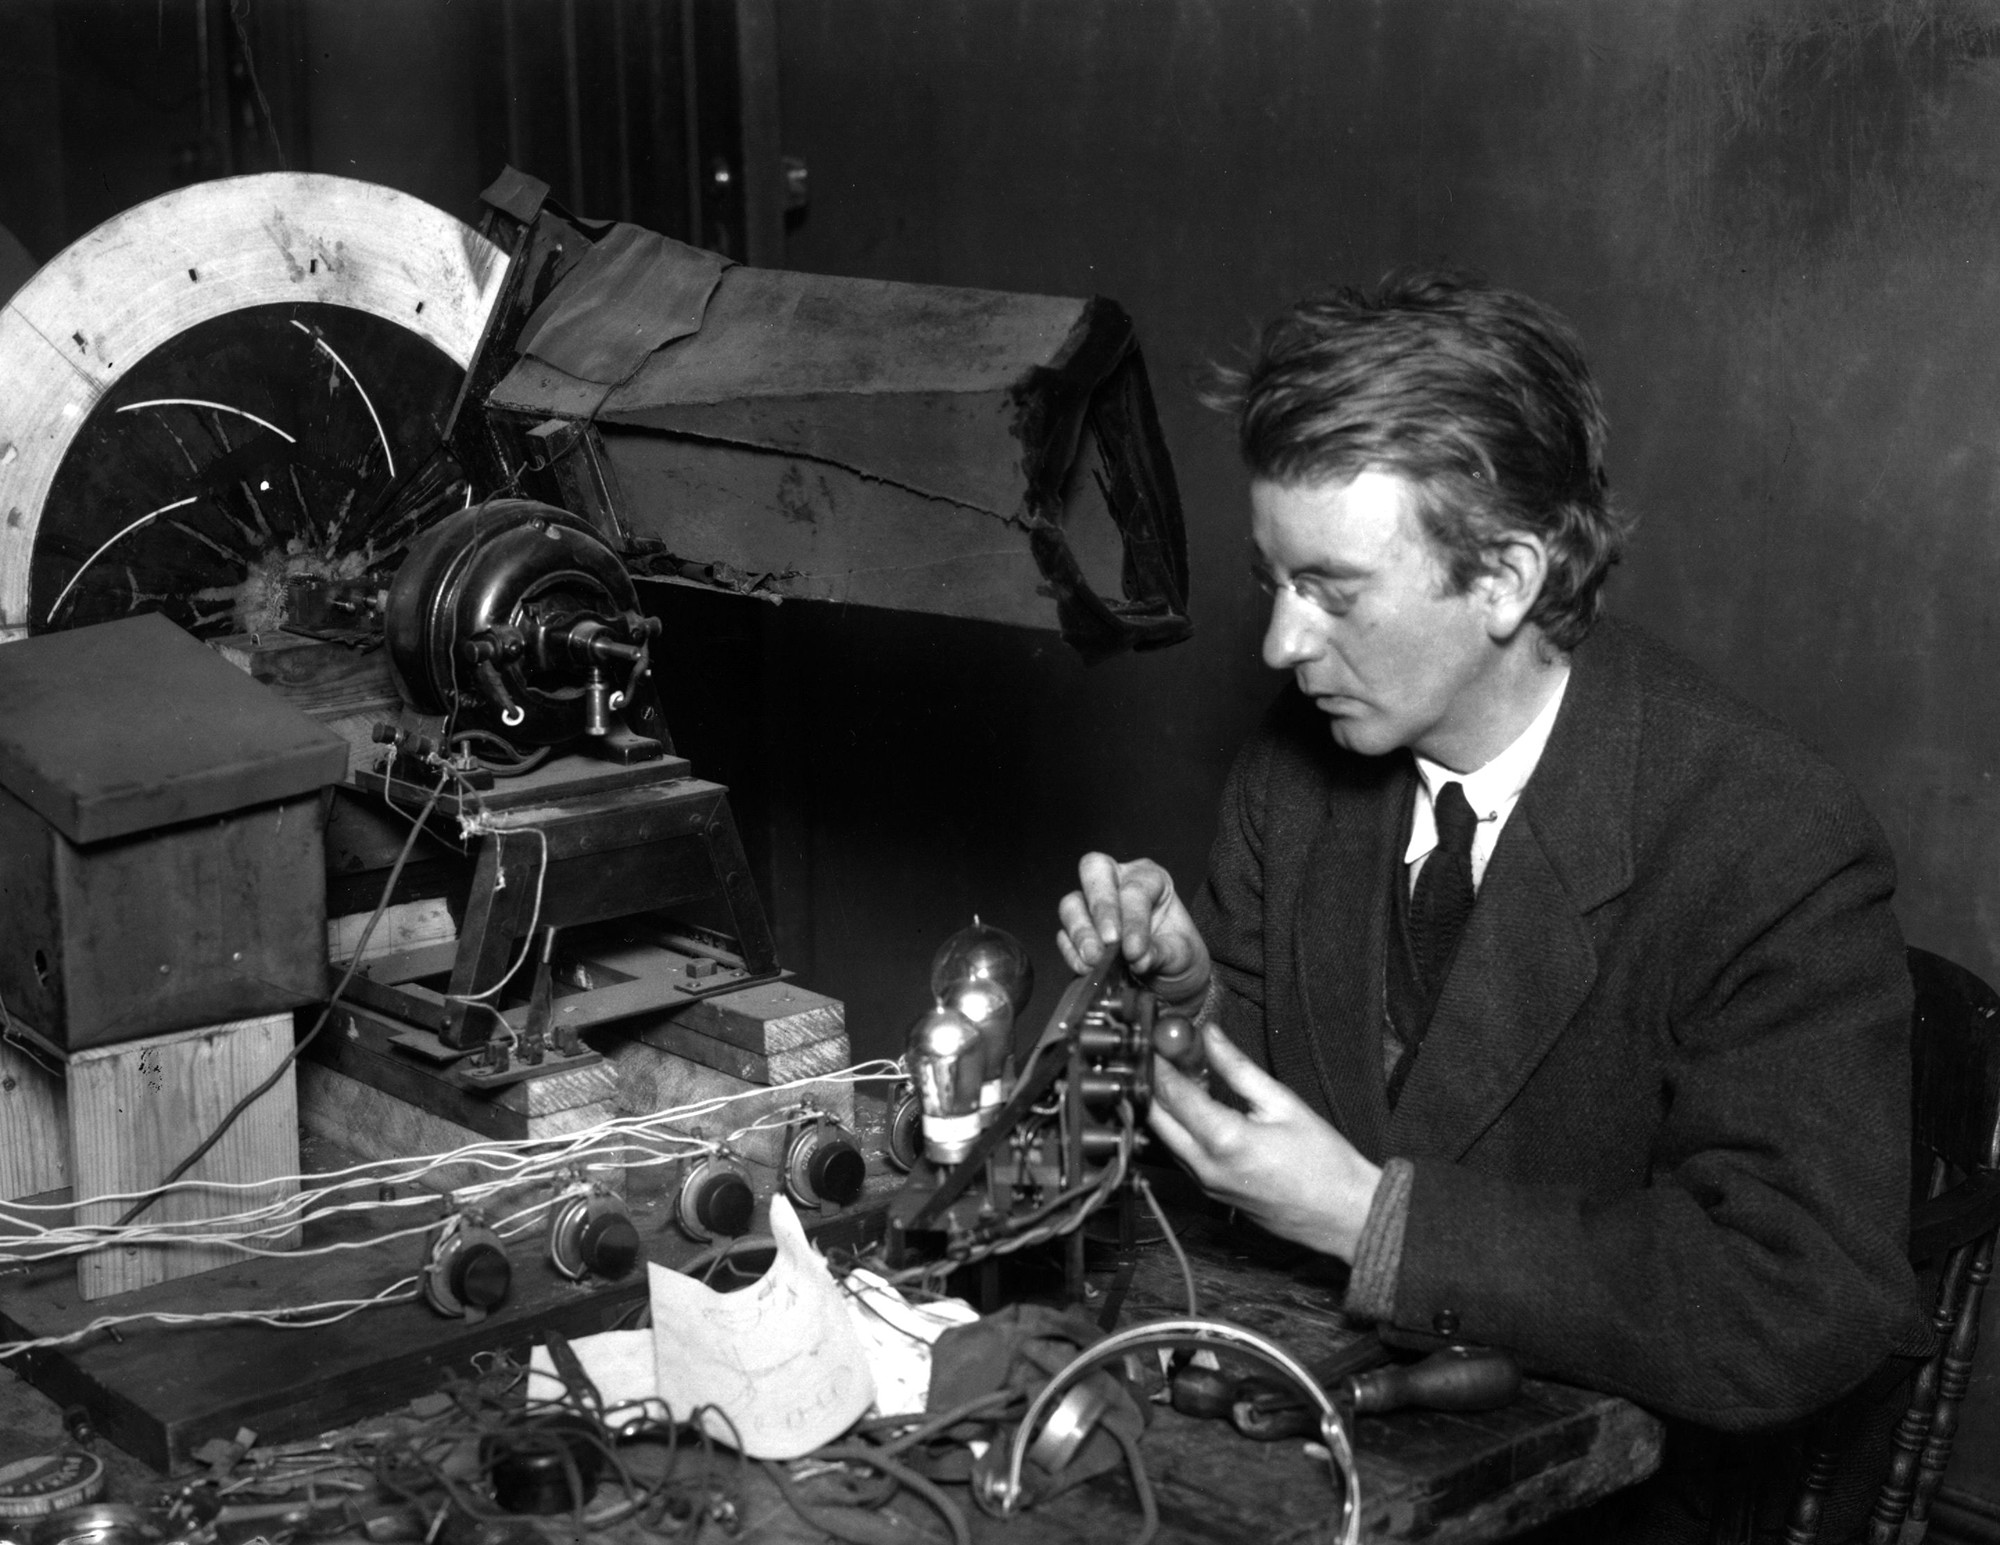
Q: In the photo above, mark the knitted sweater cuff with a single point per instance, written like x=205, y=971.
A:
x=1378, y=1256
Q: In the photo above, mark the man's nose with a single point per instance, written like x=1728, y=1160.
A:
x=1290, y=637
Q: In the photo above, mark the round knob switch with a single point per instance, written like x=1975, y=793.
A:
x=724, y=1205
x=480, y=1275
x=609, y=1245
x=717, y=1198
x=466, y=1271
x=837, y=1172
x=824, y=1165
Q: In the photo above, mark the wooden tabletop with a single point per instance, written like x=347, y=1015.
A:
x=1431, y=1476
x=1440, y=1477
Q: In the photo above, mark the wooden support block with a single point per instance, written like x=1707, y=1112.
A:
x=349, y=691
x=408, y=925
x=595, y=1083
x=34, y=1125
x=651, y=1078
x=372, y=1124
x=360, y=1044
x=362, y=1094
x=137, y=1109
x=809, y=1061
x=768, y=1018
x=314, y=676
x=733, y=1044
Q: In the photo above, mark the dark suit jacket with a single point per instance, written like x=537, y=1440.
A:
x=1660, y=1122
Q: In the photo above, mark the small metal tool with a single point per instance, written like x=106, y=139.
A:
x=1459, y=1378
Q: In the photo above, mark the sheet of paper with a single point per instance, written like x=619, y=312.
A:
x=618, y=1362
x=898, y=1335
x=782, y=1359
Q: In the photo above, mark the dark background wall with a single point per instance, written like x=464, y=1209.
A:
x=1772, y=222
x=1771, y=225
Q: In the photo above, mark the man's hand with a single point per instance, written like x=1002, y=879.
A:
x=1133, y=907
x=1279, y=1163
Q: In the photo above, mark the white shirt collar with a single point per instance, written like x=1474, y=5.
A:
x=1492, y=790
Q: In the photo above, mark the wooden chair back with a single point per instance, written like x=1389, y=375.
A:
x=1955, y=1128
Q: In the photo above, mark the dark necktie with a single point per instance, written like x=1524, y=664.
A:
x=1442, y=899
x=1420, y=956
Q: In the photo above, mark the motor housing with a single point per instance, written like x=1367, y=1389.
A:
x=517, y=618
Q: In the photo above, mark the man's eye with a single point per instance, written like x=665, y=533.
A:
x=1327, y=597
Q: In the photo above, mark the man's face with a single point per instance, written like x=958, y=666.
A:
x=1363, y=618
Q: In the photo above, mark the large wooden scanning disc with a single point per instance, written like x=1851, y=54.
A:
x=236, y=381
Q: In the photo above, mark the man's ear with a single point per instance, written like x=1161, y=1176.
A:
x=1511, y=583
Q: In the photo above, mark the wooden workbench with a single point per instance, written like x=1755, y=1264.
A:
x=1435, y=1477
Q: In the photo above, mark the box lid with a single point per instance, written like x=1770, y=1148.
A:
x=135, y=724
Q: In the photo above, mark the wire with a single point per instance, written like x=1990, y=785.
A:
x=133, y=1237
x=1149, y=1507
x=711, y=1258
x=506, y=745
x=1145, y=1190
x=419, y=1465
x=775, y=1119
x=257, y=89
x=534, y=922
x=633, y=1142
x=520, y=769
x=278, y=1319
x=26, y=1047
x=518, y=762
x=922, y=1485
x=931, y=1425
x=326, y=1013
x=1003, y=1492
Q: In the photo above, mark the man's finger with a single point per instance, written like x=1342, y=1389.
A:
x=1099, y=874
x=1180, y=1143
x=1078, y=941
x=1208, y=1123
x=1265, y=1096
x=1138, y=894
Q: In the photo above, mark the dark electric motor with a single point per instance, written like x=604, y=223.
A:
x=518, y=619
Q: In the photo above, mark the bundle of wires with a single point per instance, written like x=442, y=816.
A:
x=512, y=762
x=550, y=1165
x=452, y=1462
x=836, y=1488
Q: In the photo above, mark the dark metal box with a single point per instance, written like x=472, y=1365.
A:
x=161, y=855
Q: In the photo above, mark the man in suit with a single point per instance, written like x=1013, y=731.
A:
x=1562, y=996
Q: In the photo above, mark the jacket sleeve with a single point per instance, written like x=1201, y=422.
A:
x=1758, y=1271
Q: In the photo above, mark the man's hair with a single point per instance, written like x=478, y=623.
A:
x=1478, y=395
